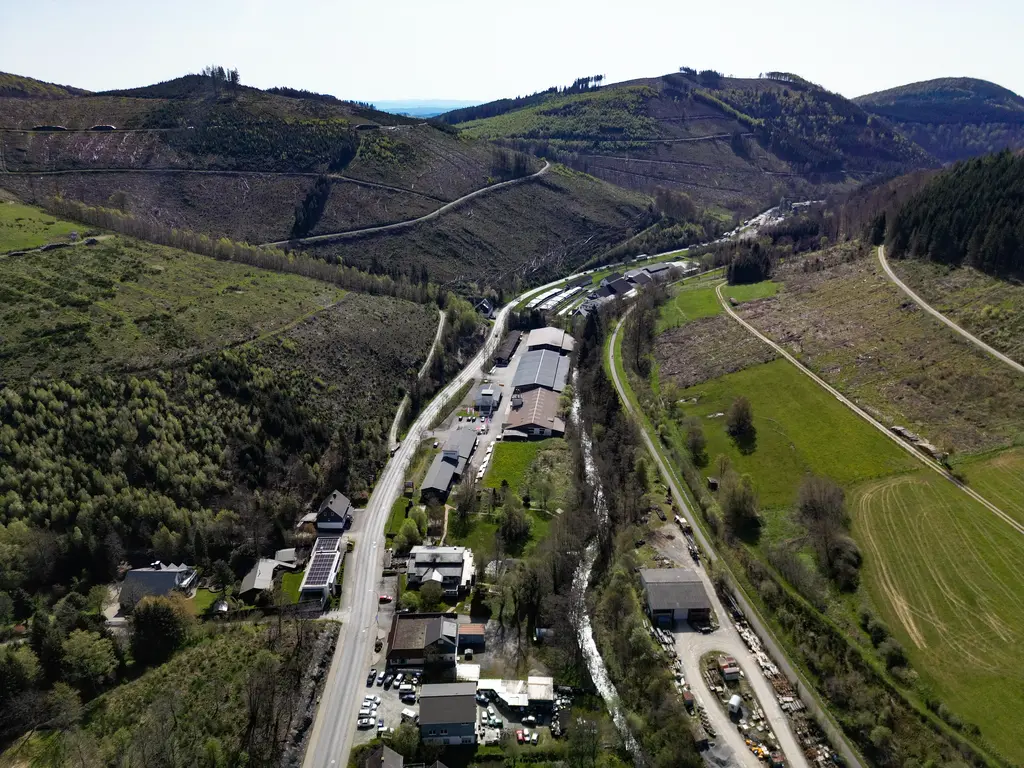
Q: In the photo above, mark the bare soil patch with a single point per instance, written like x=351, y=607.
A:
x=706, y=349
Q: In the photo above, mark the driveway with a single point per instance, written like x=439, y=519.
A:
x=690, y=646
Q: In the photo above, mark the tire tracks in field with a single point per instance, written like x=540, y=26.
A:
x=912, y=450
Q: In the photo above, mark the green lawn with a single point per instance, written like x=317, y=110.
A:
x=751, y=291
x=800, y=428
x=999, y=478
x=690, y=302
x=204, y=600
x=482, y=531
x=290, y=583
x=22, y=226
x=397, y=516
x=945, y=575
x=511, y=460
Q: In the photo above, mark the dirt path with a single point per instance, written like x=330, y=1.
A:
x=333, y=236
x=942, y=318
x=393, y=432
x=926, y=460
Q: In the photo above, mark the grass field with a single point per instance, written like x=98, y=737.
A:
x=751, y=291
x=397, y=516
x=800, y=428
x=945, y=574
x=691, y=302
x=290, y=583
x=510, y=462
x=203, y=600
x=127, y=303
x=482, y=530
x=22, y=226
x=999, y=478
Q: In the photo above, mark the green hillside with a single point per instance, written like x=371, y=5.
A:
x=17, y=86
x=953, y=117
x=726, y=142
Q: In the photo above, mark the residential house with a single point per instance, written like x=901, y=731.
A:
x=259, y=579
x=158, y=580
x=449, y=465
x=448, y=713
x=384, y=757
x=321, y=577
x=335, y=513
x=450, y=567
x=606, y=281
x=423, y=639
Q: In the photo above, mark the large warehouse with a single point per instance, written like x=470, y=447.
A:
x=541, y=368
x=675, y=594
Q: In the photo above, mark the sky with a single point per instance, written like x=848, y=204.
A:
x=478, y=50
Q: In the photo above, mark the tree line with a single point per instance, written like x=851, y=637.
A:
x=969, y=215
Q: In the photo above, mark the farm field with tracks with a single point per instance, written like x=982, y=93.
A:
x=945, y=574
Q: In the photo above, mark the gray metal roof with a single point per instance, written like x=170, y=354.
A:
x=443, y=703
x=674, y=589
x=261, y=576
x=550, y=337
x=439, y=476
x=461, y=440
x=335, y=506
x=542, y=368
x=157, y=580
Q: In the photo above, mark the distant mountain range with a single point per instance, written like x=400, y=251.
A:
x=422, y=107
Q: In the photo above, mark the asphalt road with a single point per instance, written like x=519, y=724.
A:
x=942, y=318
x=690, y=646
x=331, y=237
x=331, y=737
x=912, y=450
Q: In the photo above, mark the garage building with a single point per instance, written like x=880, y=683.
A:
x=675, y=594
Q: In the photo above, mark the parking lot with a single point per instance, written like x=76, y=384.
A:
x=391, y=706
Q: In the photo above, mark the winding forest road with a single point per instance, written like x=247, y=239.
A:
x=928, y=461
x=942, y=318
x=331, y=237
x=393, y=432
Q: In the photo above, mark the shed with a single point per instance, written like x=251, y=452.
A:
x=735, y=704
x=675, y=594
x=472, y=636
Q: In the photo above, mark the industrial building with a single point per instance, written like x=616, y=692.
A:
x=541, y=368
x=675, y=594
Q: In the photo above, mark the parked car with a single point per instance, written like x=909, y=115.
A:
x=519, y=736
x=399, y=677
x=385, y=598
x=387, y=681
x=534, y=738
x=380, y=723
x=436, y=443
x=364, y=722
x=371, y=677
x=529, y=720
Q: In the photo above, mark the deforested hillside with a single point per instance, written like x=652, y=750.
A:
x=227, y=160
x=527, y=233
x=953, y=118
x=17, y=86
x=969, y=215
x=728, y=143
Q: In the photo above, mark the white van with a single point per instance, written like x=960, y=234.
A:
x=409, y=716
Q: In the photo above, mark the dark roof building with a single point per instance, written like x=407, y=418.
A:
x=487, y=397
x=448, y=713
x=335, y=513
x=610, y=279
x=384, y=757
x=675, y=594
x=541, y=368
x=422, y=638
x=620, y=287
x=507, y=348
x=450, y=463
x=449, y=567
x=642, y=278
x=158, y=580
x=535, y=413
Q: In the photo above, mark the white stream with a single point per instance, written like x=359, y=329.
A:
x=581, y=579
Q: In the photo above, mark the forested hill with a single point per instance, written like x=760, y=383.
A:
x=722, y=140
x=18, y=86
x=953, y=117
x=968, y=215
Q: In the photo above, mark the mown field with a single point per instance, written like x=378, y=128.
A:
x=800, y=428
x=945, y=574
x=989, y=307
x=999, y=478
x=127, y=304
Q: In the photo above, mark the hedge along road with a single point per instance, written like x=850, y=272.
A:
x=936, y=314
x=727, y=637
x=330, y=740
x=913, y=451
x=332, y=237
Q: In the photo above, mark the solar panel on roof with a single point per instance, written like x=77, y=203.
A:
x=320, y=570
x=327, y=544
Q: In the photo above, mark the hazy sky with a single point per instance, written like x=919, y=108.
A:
x=475, y=49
